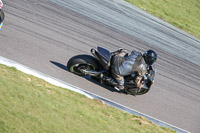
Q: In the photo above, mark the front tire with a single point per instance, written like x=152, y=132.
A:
x=133, y=91
x=142, y=91
x=79, y=62
x=2, y=16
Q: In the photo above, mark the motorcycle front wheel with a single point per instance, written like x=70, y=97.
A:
x=82, y=62
x=142, y=91
x=133, y=91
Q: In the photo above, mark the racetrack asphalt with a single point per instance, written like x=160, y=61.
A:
x=43, y=35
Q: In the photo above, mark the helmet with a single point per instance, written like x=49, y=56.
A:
x=150, y=57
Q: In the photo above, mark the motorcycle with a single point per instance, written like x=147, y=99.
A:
x=98, y=66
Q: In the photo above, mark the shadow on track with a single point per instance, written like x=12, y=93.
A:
x=89, y=78
x=60, y=65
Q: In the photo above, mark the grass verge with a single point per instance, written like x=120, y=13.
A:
x=184, y=14
x=31, y=105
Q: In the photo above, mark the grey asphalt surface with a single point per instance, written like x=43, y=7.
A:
x=43, y=35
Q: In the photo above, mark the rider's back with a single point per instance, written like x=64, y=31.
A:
x=134, y=63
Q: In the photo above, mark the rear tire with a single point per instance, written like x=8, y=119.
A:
x=87, y=62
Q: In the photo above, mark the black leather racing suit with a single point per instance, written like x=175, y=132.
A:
x=124, y=65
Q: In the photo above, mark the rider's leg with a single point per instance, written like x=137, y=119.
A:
x=120, y=81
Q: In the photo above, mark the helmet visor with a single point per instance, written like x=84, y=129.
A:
x=150, y=60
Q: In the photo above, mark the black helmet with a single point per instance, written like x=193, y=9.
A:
x=150, y=57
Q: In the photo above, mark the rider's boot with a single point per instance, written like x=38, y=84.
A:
x=119, y=87
x=107, y=79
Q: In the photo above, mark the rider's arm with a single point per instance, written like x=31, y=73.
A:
x=141, y=70
x=121, y=52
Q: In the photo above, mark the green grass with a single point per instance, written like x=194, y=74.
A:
x=31, y=105
x=184, y=14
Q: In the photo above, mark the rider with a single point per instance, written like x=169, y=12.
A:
x=123, y=64
x=1, y=13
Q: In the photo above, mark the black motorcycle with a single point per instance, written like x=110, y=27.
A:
x=98, y=67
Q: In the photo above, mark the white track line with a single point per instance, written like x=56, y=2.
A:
x=90, y=95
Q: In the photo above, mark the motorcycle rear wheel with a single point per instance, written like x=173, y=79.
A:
x=82, y=62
